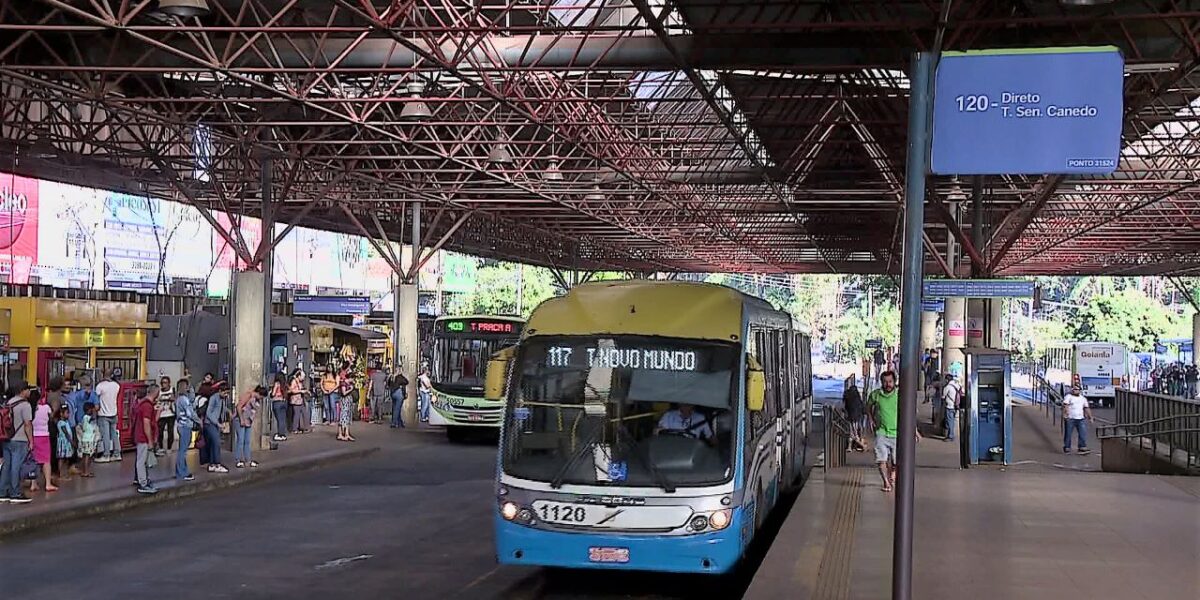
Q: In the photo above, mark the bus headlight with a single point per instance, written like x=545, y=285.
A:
x=509, y=511
x=720, y=519
x=699, y=523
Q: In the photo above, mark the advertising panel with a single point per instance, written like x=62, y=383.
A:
x=70, y=247
x=18, y=227
x=187, y=242
x=132, y=242
x=290, y=259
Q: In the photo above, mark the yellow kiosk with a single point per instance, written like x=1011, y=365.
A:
x=52, y=336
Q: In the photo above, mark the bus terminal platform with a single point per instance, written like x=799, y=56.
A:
x=1049, y=526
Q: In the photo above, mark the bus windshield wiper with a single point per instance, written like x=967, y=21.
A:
x=557, y=482
x=646, y=463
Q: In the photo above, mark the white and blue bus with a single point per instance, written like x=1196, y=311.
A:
x=1099, y=368
x=648, y=426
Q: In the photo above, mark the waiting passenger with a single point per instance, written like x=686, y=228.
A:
x=685, y=421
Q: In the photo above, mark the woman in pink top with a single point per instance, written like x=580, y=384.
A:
x=41, y=440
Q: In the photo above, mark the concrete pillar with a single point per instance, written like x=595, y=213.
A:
x=954, y=335
x=408, y=345
x=929, y=339
x=249, y=302
x=976, y=320
x=993, y=335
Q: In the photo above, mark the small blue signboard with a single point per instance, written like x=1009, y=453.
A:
x=977, y=288
x=1160, y=349
x=933, y=305
x=331, y=305
x=618, y=470
x=1028, y=111
x=876, y=343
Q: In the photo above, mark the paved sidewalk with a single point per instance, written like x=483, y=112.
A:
x=112, y=488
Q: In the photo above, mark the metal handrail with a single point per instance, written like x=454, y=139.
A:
x=837, y=438
x=1180, y=434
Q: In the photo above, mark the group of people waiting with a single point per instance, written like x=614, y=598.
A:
x=340, y=398
x=49, y=438
x=1175, y=379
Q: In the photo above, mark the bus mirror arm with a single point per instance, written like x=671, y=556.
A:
x=497, y=372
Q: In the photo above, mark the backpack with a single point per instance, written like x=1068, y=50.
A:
x=7, y=429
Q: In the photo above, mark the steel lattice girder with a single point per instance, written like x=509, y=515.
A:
x=696, y=135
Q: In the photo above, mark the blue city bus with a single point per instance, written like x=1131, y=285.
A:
x=647, y=426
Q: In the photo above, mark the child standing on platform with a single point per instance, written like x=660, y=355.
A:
x=88, y=434
x=65, y=450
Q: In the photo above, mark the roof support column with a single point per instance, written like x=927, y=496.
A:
x=910, y=320
x=406, y=336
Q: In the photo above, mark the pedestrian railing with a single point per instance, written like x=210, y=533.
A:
x=1049, y=397
x=837, y=438
x=1140, y=407
x=1174, y=440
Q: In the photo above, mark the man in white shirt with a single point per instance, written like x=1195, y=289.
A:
x=1075, y=410
x=951, y=397
x=110, y=439
x=684, y=420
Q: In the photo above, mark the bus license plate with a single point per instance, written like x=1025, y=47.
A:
x=601, y=554
x=474, y=417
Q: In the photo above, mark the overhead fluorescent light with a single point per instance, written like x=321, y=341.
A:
x=1151, y=67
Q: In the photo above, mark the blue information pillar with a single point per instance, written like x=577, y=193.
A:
x=1028, y=111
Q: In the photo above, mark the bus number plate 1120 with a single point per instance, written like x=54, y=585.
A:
x=602, y=554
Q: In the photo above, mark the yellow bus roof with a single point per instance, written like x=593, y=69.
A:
x=638, y=307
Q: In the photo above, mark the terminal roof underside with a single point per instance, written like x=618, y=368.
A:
x=694, y=135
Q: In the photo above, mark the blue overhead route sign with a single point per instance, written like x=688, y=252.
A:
x=976, y=288
x=1028, y=111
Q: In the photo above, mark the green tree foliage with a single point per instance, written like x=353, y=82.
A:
x=855, y=327
x=817, y=303
x=495, y=290
x=1128, y=317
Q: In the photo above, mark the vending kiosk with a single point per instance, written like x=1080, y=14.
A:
x=988, y=404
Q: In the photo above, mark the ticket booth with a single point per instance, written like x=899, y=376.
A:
x=987, y=426
x=59, y=337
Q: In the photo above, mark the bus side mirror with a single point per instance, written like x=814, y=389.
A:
x=756, y=385
x=497, y=370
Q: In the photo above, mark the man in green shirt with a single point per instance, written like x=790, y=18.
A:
x=883, y=405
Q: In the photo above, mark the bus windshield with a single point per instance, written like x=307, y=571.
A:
x=622, y=411
x=461, y=361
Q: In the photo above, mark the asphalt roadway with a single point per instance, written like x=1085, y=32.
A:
x=412, y=521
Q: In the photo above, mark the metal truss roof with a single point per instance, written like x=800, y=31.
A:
x=691, y=135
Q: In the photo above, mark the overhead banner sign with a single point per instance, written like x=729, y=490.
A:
x=977, y=288
x=331, y=305
x=1028, y=111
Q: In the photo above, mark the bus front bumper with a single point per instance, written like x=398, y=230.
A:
x=713, y=552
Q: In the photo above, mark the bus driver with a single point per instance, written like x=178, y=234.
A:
x=685, y=421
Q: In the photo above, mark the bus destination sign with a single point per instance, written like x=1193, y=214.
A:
x=480, y=326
